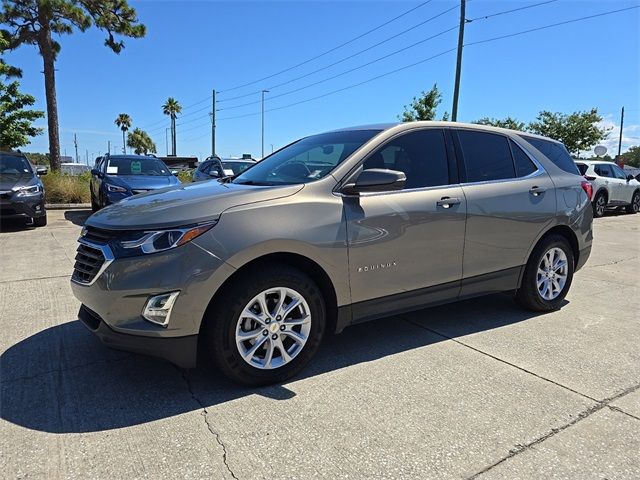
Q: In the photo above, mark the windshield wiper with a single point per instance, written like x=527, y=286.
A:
x=253, y=182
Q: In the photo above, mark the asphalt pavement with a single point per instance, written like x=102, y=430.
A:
x=478, y=389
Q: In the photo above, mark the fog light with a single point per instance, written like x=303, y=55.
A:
x=158, y=308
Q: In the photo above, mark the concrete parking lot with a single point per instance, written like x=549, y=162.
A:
x=479, y=389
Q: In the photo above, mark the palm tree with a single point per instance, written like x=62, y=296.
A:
x=172, y=108
x=123, y=121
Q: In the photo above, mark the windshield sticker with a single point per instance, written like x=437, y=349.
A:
x=136, y=167
x=111, y=169
x=228, y=171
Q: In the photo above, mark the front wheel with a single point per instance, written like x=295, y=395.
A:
x=634, y=207
x=264, y=327
x=547, y=275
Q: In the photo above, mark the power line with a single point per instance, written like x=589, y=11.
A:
x=388, y=39
x=484, y=17
x=330, y=50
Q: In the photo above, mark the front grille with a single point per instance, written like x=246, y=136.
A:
x=99, y=236
x=89, y=261
x=7, y=211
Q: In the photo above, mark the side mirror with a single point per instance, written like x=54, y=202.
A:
x=629, y=177
x=41, y=171
x=376, y=180
x=214, y=173
x=95, y=172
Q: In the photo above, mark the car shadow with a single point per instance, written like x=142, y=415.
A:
x=77, y=217
x=63, y=380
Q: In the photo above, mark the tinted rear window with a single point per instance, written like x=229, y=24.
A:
x=486, y=156
x=524, y=165
x=556, y=152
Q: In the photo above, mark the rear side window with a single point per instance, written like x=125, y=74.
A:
x=204, y=168
x=583, y=168
x=556, y=152
x=603, y=170
x=524, y=165
x=486, y=156
x=421, y=155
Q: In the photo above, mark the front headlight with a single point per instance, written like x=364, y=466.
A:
x=160, y=240
x=115, y=188
x=28, y=191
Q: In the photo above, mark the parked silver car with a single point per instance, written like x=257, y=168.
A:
x=612, y=187
x=332, y=230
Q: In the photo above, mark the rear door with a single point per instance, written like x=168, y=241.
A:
x=625, y=189
x=605, y=171
x=510, y=200
x=405, y=247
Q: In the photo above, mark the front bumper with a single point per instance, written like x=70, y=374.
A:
x=181, y=351
x=22, y=207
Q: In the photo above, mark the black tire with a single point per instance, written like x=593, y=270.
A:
x=599, y=204
x=527, y=295
x=634, y=207
x=40, y=221
x=222, y=317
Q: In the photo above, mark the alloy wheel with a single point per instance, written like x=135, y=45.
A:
x=273, y=328
x=552, y=273
x=600, y=205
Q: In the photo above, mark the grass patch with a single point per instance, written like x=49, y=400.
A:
x=62, y=188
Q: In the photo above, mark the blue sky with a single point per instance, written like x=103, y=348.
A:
x=195, y=46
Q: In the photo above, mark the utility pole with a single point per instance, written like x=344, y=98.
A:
x=109, y=146
x=456, y=90
x=87, y=156
x=621, y=125
x=263, y=92
x=213, y=123
x=166, y=139
x=75, y=142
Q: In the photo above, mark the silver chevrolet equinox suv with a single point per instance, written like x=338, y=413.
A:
x=332, y=230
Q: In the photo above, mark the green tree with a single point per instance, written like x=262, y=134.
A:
x=141, y=142
x=36, y=22
x=38, y=158
x=123, y=121
x=424, y=107
x=632, y=156
x=509, y=122
x=5, y=69
x=172, y=108
x=16, y=121
x=579, y=131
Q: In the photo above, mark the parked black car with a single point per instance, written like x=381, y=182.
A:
x=21, y=191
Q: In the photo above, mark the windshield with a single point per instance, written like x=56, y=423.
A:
x=306, y=160
x=236, y=167
x=14, y=165
x=136, y=166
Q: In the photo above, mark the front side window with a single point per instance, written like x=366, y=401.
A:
x=136, y=166
x=617, y=171
x=524, y=165
x=14, y=165
x=556, y=152
x=604, y=170
x=306, y=160
x=421, y=155
x=486, y=156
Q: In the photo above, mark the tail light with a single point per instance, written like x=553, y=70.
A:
x=589, y=178
x=588, y=188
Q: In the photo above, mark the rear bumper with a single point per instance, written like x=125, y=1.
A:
x=583, y=257
x=181, y=351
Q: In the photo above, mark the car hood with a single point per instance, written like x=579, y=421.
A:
x=11, y=181
x=142, y=182
x=183, y=205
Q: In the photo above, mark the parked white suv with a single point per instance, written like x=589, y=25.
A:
x=611, y=186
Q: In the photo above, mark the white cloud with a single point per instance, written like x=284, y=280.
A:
x=630, y=135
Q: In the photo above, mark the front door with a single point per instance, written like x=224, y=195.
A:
x=405, y=247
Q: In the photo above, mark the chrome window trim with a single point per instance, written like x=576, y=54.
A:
x=108, y=260
x=393, y=192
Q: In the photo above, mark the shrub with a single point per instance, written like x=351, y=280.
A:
x=185, y=176
x=63, y=188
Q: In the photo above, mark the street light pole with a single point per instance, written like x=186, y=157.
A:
x=456, y=90
x=213, y=124
x=166, y=139
x=263, y=92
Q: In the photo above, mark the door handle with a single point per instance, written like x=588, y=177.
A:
x=446, y=202
x=535, y=191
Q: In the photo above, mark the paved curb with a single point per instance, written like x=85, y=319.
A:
x=67, y=206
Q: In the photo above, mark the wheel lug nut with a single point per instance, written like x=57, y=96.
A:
x=274, y=336
x=282, y=327
x=267, y=321
x=265, y=333
x=278, y=318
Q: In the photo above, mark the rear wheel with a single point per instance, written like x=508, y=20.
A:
x=634, y=207
x=599, y=204
x=265, y=327
x=547, y=276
